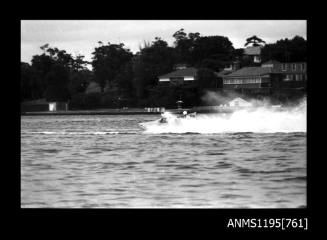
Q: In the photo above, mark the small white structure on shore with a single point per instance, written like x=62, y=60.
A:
x=58, y=106
x=239, y=102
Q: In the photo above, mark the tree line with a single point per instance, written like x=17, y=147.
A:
x=128, y=79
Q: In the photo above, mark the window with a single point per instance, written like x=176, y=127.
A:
x=283, y=67
x=257, y=59
x=289, y=77
x=302, y=66
x=294, y=66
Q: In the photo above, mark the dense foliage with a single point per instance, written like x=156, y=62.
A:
x=131, y=80
x=286, y=50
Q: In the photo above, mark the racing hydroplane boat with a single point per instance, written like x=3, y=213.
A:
x=167, y=117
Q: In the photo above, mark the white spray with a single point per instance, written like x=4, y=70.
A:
x=262, y=119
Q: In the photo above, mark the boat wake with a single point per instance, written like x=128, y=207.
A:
x=261, y=120
x=83, y=133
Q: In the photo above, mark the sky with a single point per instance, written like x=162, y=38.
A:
x=82, y=36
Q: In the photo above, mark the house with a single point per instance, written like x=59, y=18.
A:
x=180, y=76
x=233, y=66
x=187, y=77
x=223, y=73
x=239, y=102
x=271, y=63
x=254, y=53
x=42, y=105
x=270, y=75
x=58, y=106
x=180, y=66
x=292, y=74
x=248, y=78
x=293, y=71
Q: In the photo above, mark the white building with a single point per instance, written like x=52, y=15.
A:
x=58, y=106
x=239, y=102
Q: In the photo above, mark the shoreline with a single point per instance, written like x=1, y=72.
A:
x=99, y=112
x=87, y=112
x=200, y=110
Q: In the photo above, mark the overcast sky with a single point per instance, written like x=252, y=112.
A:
x=81, y=37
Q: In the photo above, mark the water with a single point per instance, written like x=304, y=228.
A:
x=109, y=161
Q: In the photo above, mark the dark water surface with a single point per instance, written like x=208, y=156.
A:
x=107, y=161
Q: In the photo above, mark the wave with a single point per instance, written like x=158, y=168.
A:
x=82, y=133
x=258, y=120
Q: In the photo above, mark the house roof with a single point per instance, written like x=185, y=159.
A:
x=223, y=73
x=191, y=71
x=252, y=50
x=250, y=71
x=180, y=65
x=239, y=100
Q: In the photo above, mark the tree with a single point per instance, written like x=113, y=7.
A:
x=238, y=53
x=58, y=56
x=30, y=84
x=108, y=61
x=151, y=62
x=139, y=79
x=206, y=79
x=286, y=50
x=42, y=65
x=184, y=45
x=79, y=64
x=79, y=81
x=124, y=80
x=212, y=52
x=255, y=41
x=57, y=81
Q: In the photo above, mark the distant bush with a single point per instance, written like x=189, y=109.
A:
x=92, y=100
x=77, y=101
x=144, y=102
x=85, y=101
x=108, y=101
